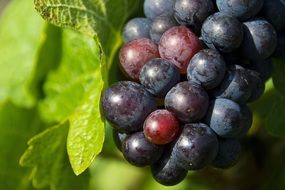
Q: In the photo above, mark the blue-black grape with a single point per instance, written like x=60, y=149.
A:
x=235, y=85
x=188, y=101
x=274, y=12
x=227, y=118
x=207, y=68
x=137, y=28
x=280, y=49
x=242, y=9
x=196, y=147
x=222, y=32
x=166, y=170
x=247, y=120
x=257, y=85
x=138, y=151
x=159, y=76
x=193, y=13
x=160, y=25
x=260, y=39
x=126, y=104
x=154, y=8
x=119, y=138
x=228, y=154
x=264, y=68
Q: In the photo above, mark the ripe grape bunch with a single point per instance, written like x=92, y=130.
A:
x=193, y=66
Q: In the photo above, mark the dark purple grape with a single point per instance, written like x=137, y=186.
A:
x=280, y=49
x=228, y=154
x=227, y=118
x=166, y=171
x=207, y=68
x=235, y=85
x=155, y=8
x=196, y=147
x=222, y=32
x=274, y=12
x=179, y=45
x=257, y=85
x=135, y=54
x=126, y=104
x=138, y=151
x=193, y=13
x=242, y=9
x=136, y=28
x=118, y=138
x=188, y=101
x=247, y=120
x=160, y=25
x=161, y=127
x=264, y=68
x=159, y=76
x=260, y=39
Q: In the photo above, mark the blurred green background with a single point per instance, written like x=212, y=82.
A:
x=261, y=166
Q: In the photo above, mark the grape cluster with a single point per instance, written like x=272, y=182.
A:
x=193, y=66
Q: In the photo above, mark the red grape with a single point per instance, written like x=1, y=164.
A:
x=179, y=45
x=135, y=54
x=161, y=127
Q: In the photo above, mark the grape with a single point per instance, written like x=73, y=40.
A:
x=126, y=104
x=179, y=45
x=135, y=54
x=247, y=120
x=161, y=127
x=222, y=32
x=274, y=12
x=193, y=12
x=118, y=138
x=257, y=85
x=264, y=68
x=280, y=49
x=235, y=85
x=196, y=147
x=228, y=154
x=136, y=28
x=207, y=68
x=227, y=118
x=138, y=151
x=154, y=8
x=160, y=25
x=166, y=171
x=159, y=76
x=260, y=39
x=188, y=101
x=242, y=9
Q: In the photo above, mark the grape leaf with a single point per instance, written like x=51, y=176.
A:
x=93, y=17
x=279, y=75
x=20, y=37
x=73, y=93
x=48, y=59
x=47, y=155
x=86, y=134
x=17, y=125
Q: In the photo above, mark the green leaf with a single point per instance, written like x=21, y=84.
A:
x=20, y=37
x=17, y=125
x=66, y=86
x=93, y=17
x=275, y=121
x=48, y=157
x=86, y=134
x=73, y=93
x=48, y=59
x=279, y=75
